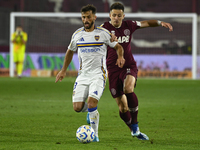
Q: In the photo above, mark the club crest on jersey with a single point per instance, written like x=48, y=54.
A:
x=127, y=32
x=96, y=37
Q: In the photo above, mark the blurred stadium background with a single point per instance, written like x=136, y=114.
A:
x=48, y=38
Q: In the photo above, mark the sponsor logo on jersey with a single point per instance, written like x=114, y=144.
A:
x=96, y=37
x=123, y=39
x=128, y=70
x=86, y=50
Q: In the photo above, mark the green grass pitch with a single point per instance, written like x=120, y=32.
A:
x=37, y=114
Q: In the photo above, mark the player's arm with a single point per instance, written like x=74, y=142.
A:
x=68, y=58
x=120, y=52
x=23, y=38
x=155, y=23
x=113, y=38
x=14, y=38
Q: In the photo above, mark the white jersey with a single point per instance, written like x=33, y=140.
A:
x=92, y=49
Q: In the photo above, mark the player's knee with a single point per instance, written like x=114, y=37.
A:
x=92, y=102
x=92, y=105
x=77, y=108
x=128, y=89
x=122, y=108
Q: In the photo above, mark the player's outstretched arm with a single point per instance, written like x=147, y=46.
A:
x=155, y=23
x=166, y=25
x=68, y=58
x=120, y=52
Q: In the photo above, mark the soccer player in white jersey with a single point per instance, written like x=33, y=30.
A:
x=92, y=43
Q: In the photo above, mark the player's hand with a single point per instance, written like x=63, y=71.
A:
x=167, y=25
x=120, y=62
x=60, y=76
x=113, y=38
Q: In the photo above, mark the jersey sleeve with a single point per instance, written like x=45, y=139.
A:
x=138, y=23
x=134, y=25
x=73, y=46
x=107, y=37
x=25, y=37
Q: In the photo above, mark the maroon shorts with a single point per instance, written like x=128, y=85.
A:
x=116, y=80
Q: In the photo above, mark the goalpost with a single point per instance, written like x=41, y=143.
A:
x=51, y=33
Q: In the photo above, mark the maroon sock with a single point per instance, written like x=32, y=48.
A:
x=133, y=106
x=126, y=117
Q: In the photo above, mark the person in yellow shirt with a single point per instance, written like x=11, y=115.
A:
x=19, y=39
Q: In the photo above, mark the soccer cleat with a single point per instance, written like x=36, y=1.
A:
x=136, y=133
x=96, y=139
x=142, y=136
x=135, y=130
x=88, y=118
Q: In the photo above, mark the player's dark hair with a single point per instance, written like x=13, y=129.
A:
x=118, y=6
x=88, y=8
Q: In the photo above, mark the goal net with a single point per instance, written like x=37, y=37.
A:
x=158, y=52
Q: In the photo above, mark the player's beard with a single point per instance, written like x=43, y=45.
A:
x=90, y=25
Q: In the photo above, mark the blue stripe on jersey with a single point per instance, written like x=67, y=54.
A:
x=90, y=44
x=103, y=29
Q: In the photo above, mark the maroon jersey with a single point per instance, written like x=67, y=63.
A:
x=124, y=34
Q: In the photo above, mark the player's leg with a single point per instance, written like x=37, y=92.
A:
x=93, y=116
x=80, y=94
x=88, y=118
x=132, y=99
x=80, y=106
x=20, y=69
x=129, y=84
x=15, y=59
x=95, y=92
x=124, y=110
x=20, y=63
x=16, y=68
x=116, y=89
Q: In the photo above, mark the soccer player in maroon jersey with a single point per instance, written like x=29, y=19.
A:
x=123, y=80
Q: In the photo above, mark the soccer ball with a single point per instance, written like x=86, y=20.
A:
x=85, y=134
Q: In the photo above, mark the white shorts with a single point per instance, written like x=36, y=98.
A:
x=88, y=86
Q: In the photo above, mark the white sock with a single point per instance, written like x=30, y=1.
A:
x=94, y=121
x=85, y=108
